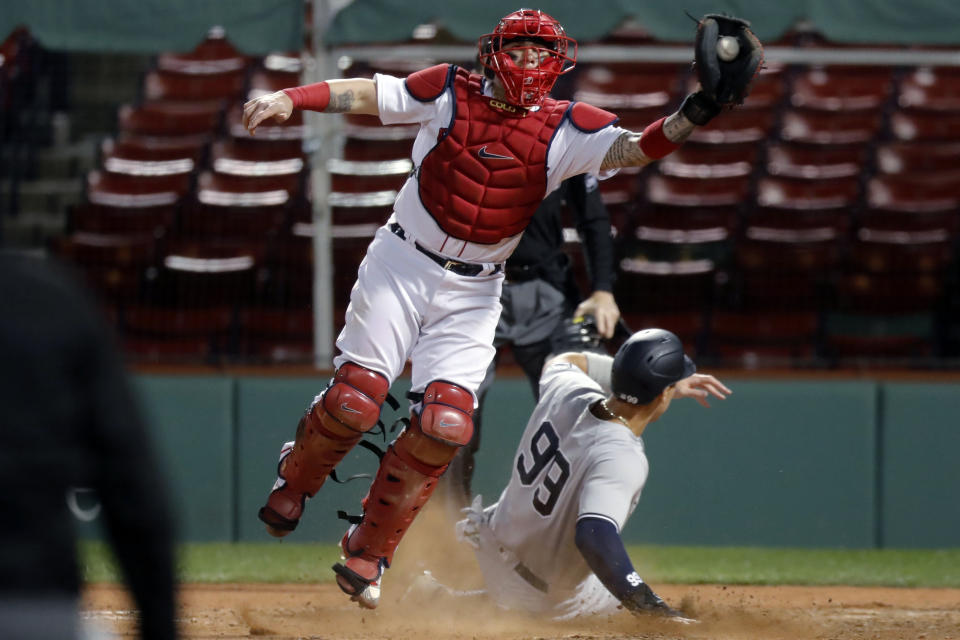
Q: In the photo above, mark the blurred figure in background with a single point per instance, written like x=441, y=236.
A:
x=70, y=420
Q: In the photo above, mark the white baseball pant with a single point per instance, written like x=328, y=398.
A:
x=405, y=306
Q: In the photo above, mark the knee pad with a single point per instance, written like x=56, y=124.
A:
x=354, y=397
x=349, y=407
x=446, y=414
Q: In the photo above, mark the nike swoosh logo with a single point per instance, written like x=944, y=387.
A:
x=345, y=407
x=447, y=424
x=483, y=153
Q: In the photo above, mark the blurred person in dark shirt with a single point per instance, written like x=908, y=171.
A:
x=70, y=420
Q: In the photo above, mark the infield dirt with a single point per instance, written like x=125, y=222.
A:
x=289, y=611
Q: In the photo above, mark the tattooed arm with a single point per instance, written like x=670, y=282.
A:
x=355, y=95
x=630, y=149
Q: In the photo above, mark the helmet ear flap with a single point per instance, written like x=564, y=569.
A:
x=484, y=57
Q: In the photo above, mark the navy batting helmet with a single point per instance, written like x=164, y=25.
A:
x=647, y=363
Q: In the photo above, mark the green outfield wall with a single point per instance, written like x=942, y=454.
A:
x=830, y=464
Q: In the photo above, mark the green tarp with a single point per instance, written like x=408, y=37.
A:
x=150, y=26
x=849, y=21
x=261, y=26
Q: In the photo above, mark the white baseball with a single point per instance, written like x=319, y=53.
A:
x=727, y=48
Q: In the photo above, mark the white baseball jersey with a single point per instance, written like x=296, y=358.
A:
x=405, y=306
x=569, y=465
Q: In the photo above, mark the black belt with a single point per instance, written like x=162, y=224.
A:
x=531, y=578
x=459, y=268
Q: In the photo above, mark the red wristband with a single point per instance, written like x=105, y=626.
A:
x=314, y=97
x=653, y=142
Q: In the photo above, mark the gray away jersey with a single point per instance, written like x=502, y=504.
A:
x=569, y=465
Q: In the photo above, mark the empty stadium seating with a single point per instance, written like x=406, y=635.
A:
x=819, y=218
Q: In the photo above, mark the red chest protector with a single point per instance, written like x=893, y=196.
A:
x=487, y=174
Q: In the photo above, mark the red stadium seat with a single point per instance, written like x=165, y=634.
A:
x=914, y=192
x=735, y=127
x=122, y=156
x=815, y=161
x=622, y=188
x=639, y=93
x=887, y=293
x=793, y=193
x=353, y=176
x=125, y=190
x=213, y=56
x=694, y=160
x=352, y=208
x=277, y=335
x=222, y=87
x=241, y=190
x=783, y=271
x=842, y=88
x=934, y=89
x=155, y=221
x=786, y=224
x=917, y=157
x=682, y=233
x=232, y=221
x=157, y=334
x=894, y=273
x=826, y=127
x=114, y=264
x=629, y=84
x=893, y=225
x=159, y=119
x=211, y=273
x=697, y=192
x=649, y=286
x=897, y=254
x=290, y=265
x=367, y=139
x=924, y=125
x=256, y=158
x=158, y=148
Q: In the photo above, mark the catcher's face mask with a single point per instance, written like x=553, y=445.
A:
x=527, y=51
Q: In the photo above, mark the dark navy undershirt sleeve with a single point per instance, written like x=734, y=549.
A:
x=601, y=546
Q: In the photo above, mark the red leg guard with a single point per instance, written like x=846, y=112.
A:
x=348, y=408
x=407, y=477
x=402, y=486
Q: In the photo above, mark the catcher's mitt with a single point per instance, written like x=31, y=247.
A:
x=726, y=82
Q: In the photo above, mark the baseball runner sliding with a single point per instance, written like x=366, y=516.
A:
x=551, y=544
x=489, y=148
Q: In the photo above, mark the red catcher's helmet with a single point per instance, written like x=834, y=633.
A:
x=556, y=52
